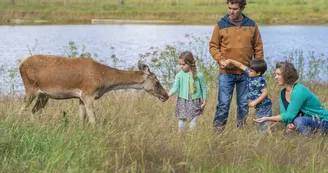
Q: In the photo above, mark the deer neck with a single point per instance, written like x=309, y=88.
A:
x=123, y=79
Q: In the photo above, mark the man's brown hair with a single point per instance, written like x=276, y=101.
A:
x=241, y=3
x=288, y=72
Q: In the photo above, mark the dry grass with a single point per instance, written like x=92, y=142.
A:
x=135, y=132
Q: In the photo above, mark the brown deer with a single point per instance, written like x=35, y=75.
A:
x=56, y=77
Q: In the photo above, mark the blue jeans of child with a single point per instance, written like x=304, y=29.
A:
x=226, y=85
x=307, y=124
x=264, y=111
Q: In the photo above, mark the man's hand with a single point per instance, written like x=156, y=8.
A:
x=227, y=62
x=223, y=64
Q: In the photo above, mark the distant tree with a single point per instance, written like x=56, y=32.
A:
x=12, y=2
x=177, y=2
x=65, y=2
x=121, y=2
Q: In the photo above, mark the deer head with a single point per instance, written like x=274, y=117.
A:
x=151, y=84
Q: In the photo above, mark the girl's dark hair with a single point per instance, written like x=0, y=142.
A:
x=188, y=58
x=288, y=72
x=258, y=65
x=241, y=3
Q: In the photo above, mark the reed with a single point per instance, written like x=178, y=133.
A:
x=137, y=133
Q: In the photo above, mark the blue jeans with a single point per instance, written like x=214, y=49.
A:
x=306, y=125
x=226, y=85
x=264, y=111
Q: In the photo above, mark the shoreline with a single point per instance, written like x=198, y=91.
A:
x=263, y=12
x=146, y=21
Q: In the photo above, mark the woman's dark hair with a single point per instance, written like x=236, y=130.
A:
x=258, y=65
x=241, y=3
x=188, y=58
x=288, y=72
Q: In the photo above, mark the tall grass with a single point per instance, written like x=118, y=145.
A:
x=135, y=132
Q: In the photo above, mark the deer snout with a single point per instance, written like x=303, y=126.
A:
x=163, y=98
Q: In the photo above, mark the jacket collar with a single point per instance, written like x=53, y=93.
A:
x=243, y=22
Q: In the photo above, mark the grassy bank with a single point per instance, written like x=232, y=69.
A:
x=137, y=133
x=184, y=11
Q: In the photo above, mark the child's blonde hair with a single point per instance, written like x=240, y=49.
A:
x=188, y=58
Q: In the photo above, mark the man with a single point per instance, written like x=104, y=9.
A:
x=235, y=37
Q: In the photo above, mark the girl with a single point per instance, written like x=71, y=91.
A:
x=192, y=91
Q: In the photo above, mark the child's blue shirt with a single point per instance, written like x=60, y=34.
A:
x=255, y=85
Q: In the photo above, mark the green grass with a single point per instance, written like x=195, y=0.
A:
x=135, y=132
x=202, y=11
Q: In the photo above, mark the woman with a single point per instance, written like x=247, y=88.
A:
x=300, y=109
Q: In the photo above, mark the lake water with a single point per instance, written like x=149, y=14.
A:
x=127, y=41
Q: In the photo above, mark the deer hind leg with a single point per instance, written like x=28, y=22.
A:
x=88, y=103
x=28, y=99
x=83, y=113
x=41, y=102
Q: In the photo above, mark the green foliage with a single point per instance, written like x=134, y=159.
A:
x=13, y=78
x=115, y=61
x=313, y=69
x=309, y=68
x=164, y=62
x=271, y=65
x=325, y=66
x=316, y=9
x=204, y=60
x=296, y=57
x=9, y=80
x=72, y=50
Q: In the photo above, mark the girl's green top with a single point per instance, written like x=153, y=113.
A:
x=183, y=85
x=302, y=99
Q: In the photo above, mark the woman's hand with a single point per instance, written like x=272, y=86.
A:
x=290, y=128
x=203, y=104
x=261, y=120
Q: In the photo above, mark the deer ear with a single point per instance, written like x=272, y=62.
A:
x=146, y=69
x=140, y=65
x=143, y=67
